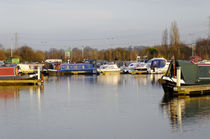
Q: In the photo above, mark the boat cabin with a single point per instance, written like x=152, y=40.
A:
x=191, y=73
x=76, y=67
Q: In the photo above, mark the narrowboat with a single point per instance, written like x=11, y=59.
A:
x=9, y=76
x=193, y=77
x=56, y=69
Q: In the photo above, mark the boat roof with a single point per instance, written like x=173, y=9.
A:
x=160, y=58
x=76, y=64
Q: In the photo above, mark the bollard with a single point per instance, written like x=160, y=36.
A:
x=38, y=73
x=42, y=78
x=178, y=75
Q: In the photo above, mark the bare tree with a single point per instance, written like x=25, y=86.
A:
x=174, y=34
x=165, y=38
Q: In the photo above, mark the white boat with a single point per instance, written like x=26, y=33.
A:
x=155, y=66
x=136, y=67
x=109, y=69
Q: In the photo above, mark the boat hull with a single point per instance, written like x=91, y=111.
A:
x=139, y=72
x=62, y=73
x=18, y=80
x=110, y=72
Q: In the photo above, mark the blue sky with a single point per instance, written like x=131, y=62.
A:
x=43, y=24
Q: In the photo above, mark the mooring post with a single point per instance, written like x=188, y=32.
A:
x=42, y=79
x=178, y=75
x=38, y=73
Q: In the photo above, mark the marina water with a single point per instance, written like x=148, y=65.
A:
x=101, y=107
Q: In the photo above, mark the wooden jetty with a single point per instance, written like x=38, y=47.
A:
x=192, y=90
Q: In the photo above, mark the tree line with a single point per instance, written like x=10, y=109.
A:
x=170, y=46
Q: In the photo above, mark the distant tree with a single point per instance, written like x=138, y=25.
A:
x=165, y=38
x=76, y=54
x=152, y=52
x=26, y=53
x=2, y=54
x=174, y=34
x=165, y=43
x=203, y=48
x=55, y=53
x=39, y=56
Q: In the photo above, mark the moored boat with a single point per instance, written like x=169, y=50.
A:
x=9, y=76
x=153, y=66
x=157, y=66
x=70, y=69
x=109, y=69
x=194, y=78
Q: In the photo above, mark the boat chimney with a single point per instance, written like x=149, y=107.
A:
x=38, y=73
x=178, y=75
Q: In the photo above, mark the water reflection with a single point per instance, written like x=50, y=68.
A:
x=13, y=94
x=9, y=93
x=113, y=80
x=76, y=78
x=148, y=79
x=108, y=79
x=184, y=111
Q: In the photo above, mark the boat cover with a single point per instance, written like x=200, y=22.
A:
x=189, y=71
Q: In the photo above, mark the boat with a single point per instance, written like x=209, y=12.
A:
x=124, y=69
x=9, y=76
x=109, y=69
x=155, y=66
x=137, y=68
x=56, y=69
x=193, y=78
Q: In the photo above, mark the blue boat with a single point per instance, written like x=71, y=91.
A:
x=71, y=69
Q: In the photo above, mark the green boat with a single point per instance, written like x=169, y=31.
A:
x=192, y=74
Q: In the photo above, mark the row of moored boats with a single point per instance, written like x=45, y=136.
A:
x=155, y=65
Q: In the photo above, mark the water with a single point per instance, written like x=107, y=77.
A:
x=101, y=107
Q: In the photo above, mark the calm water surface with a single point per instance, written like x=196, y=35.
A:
x=101, y=107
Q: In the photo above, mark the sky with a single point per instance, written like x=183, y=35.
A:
x=102, y=24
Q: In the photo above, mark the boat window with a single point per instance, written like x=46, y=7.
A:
x=63, y=67
x=162, y=63
x=86, y=66
x=67, y=67
x=155, y=64
x=150, y=61
x=83, y=67
x=75, y=67
x=104, y=67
